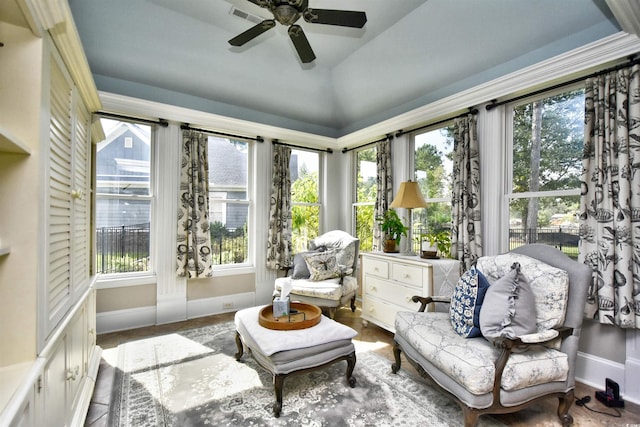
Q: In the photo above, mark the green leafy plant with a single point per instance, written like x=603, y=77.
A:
x=392, y=226
x=440, y=240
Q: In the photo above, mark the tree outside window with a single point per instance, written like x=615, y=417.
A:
x=305, y=201
x=544, y=194
x=366, y=189
x=433, y=168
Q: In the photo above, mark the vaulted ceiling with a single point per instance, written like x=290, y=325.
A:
x=409, y=53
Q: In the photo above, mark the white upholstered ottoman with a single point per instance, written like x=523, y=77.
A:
x=289, y=352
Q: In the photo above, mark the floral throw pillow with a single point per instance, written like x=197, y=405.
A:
x=466, y=302
x=322, y=265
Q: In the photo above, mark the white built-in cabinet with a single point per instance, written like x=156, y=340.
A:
x=389, y=282
x=48, y=354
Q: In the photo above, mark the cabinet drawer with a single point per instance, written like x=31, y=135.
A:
x=392, y=293
x=408, y=274
x=376, y=267
x=379, y=312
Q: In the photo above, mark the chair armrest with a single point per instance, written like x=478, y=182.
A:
x=424, y=301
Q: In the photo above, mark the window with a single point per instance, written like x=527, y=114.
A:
x=543, y=192
x=433, y=169
x=366, y=189
x=229, y=200
x=305, y=201
x=123, y=198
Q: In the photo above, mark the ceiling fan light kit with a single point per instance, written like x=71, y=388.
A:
x=287, y=12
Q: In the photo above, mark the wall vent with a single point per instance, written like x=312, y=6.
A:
x=246, y=15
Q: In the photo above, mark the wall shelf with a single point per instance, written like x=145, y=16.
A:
x=11, y=144
x=5, y=251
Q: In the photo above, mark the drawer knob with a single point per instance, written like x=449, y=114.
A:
x=371, y=310
x=407, y=276
x=374, y=289
x=375, y=269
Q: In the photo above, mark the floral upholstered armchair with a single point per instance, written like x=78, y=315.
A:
x=325, y=275
x=509, y=336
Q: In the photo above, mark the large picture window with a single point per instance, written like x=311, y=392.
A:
x=123, y=198
x=366, y=173
x=543, y=188
x=229, y=200
x=304, y=167
x=433, y=168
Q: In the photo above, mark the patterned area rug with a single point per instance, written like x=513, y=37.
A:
x=191, y=378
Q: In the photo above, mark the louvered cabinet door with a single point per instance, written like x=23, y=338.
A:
x=81, y=199
x=57, y=295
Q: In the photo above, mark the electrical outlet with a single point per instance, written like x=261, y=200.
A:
x=227, y=305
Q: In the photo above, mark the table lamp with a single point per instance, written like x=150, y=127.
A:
x=408, y=197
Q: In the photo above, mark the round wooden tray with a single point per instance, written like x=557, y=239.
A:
x=311, y=317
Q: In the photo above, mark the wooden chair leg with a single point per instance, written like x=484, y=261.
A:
x=278, y=384
x=395, y=367
x=351, y=364
x=239, y=345
x=353, y=304
x=564, y=404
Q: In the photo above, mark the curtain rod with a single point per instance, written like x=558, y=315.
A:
x=321, y=150
x=161, y=122
x=631, y=61
x=186, y=126
x=472, y=110
x=346, y=150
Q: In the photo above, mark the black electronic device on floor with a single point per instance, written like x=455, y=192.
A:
x=611, y=395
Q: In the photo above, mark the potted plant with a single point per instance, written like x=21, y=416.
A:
x=436, y=243
x=393, y=229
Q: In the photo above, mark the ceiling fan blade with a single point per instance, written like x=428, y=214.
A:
x=344, y=18
x=301, y=44
x=252, y=32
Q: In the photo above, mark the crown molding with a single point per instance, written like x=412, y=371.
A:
x=580, y=61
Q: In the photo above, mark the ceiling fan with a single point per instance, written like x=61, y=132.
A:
x=287, y=12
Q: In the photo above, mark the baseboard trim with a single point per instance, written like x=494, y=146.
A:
x=122, y=320
x=218, y=305
x=592, y=370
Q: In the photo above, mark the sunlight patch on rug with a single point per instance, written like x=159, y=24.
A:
x=191, y=378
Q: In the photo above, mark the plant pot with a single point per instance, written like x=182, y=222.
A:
x=389, y=246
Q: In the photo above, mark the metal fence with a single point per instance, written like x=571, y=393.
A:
x=122, y=249
x=564, y=238
x=125, y=248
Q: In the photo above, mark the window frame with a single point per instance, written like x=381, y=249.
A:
x=320, y=189
x=249, y=263
x=354, y=188
x=509, y=194
x=412, y=166
x=128, y=277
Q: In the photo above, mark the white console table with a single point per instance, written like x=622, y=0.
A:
x=390, y=280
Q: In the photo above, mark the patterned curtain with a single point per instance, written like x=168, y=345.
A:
x=384, y=194
x=610, y=200
x=194, y=238
x=466, y=227
x=279, y=243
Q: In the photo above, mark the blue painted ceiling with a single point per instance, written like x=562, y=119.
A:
x=410, y=53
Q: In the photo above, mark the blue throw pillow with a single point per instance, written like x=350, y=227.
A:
x=466, y=302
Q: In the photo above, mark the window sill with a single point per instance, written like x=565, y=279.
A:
x=222, y=271
x=125, y=280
